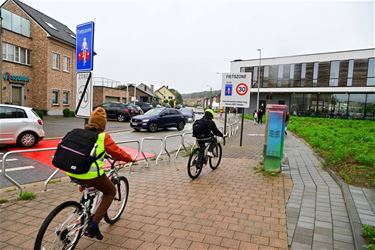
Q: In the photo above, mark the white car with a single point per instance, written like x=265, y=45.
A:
x=20, y=125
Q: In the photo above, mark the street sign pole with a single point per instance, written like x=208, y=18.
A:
x=225, y=123
x=243, y=116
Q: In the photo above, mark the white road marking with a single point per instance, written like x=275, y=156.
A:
x=11, y=159
x=17, y=169
x=255, y=134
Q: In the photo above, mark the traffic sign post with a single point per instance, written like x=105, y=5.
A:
x=85, y=47
x=235, y=93
x=84, y=66
x=84, y=94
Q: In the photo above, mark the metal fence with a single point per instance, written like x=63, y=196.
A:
x=232, y=129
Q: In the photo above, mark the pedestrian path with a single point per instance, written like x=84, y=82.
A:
x=364, y=201
x=316, y=213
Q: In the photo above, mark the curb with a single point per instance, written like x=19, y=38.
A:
x=355, y=221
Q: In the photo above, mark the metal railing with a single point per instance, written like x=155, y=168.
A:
x=152, y=139
x=232, y=130
x=16, y=152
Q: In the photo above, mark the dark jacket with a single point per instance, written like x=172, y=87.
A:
x=210, y=126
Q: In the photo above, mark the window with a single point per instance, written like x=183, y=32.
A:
x=315, y=74
x=55, y=61
x=16, y=54
x=8, y=112
x=280, y=73
x=370, y=107
x=350, y=73
x=357, y=103
x=265, y=76
x=7, y=19
x=55, y=97
x=371, y=72
x=291, y=72
x=303, y=74
x=334, y=74
x=66, y=64
x=50, y=25
x=15, y=23
x=66, y=98
x=255, y=74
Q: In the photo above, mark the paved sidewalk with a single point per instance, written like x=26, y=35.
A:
x=233, y=207
x=316, y=213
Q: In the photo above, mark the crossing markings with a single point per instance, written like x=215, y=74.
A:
x=18, y=169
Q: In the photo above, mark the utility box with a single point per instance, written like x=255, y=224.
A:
x=274, y=137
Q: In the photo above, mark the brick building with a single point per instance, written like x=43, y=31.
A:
x=38, y=55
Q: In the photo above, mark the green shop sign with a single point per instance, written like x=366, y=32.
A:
x=8, y=77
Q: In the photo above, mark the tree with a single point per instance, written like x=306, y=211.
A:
x=179, y=99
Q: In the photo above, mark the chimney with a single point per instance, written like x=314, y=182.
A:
x=152, y=87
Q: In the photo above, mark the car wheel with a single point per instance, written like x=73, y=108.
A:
x=120, y=118
x=153, y=127
x=27, y=139
x=180, y=126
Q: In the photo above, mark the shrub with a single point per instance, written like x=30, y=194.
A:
x=68, y=113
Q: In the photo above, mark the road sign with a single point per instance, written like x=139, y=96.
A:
x=85, y=47
x=235, y=90
x=242, y=89
x=86, y=105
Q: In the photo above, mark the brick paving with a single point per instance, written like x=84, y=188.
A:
x=233, y=207
x=317, y=217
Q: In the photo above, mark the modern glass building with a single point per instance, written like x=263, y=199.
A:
x=336, y=84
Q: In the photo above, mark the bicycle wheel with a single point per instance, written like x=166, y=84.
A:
x=215, y=161
x=195, y=164
x=119, y=202
x=62, y=228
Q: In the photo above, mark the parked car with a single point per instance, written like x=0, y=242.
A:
x=145, y=106
x=188, y=114
x=135, y=109
x=117, y=110
x=157, y=118
x=20, y=125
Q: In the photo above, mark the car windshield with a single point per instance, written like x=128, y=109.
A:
x=186, y=110
x=154, y=111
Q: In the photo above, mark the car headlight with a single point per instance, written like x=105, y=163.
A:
x=146, y=120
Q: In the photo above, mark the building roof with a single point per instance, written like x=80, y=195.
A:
x=54, y=28
x=300, y=55
x=146, y=89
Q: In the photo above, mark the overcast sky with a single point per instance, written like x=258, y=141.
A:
x=184, y=43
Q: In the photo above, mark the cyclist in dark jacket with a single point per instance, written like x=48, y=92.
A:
x=207, y=130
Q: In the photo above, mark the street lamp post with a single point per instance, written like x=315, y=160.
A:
x=260, y=59
x=210, y=96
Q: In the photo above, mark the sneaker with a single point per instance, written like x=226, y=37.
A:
x=93, y=231
x=210, y=154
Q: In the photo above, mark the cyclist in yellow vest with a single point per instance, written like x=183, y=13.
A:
x=98, y=121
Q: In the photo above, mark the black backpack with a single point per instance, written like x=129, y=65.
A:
x=77, y=151
x=200, y=128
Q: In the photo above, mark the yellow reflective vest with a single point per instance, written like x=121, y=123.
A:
x=93, y=172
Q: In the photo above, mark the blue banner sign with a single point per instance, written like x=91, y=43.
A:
x=228, y=89
x=85, y=47
x=275, y=133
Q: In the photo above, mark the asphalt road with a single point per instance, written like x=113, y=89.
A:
x=27, y=170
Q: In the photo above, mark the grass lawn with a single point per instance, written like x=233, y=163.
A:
x=347, y=146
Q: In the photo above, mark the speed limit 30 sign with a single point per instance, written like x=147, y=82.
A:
x=242, y=89
x=240, y=96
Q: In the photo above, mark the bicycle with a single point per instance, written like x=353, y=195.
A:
x=198, y=158
x=71, y=218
